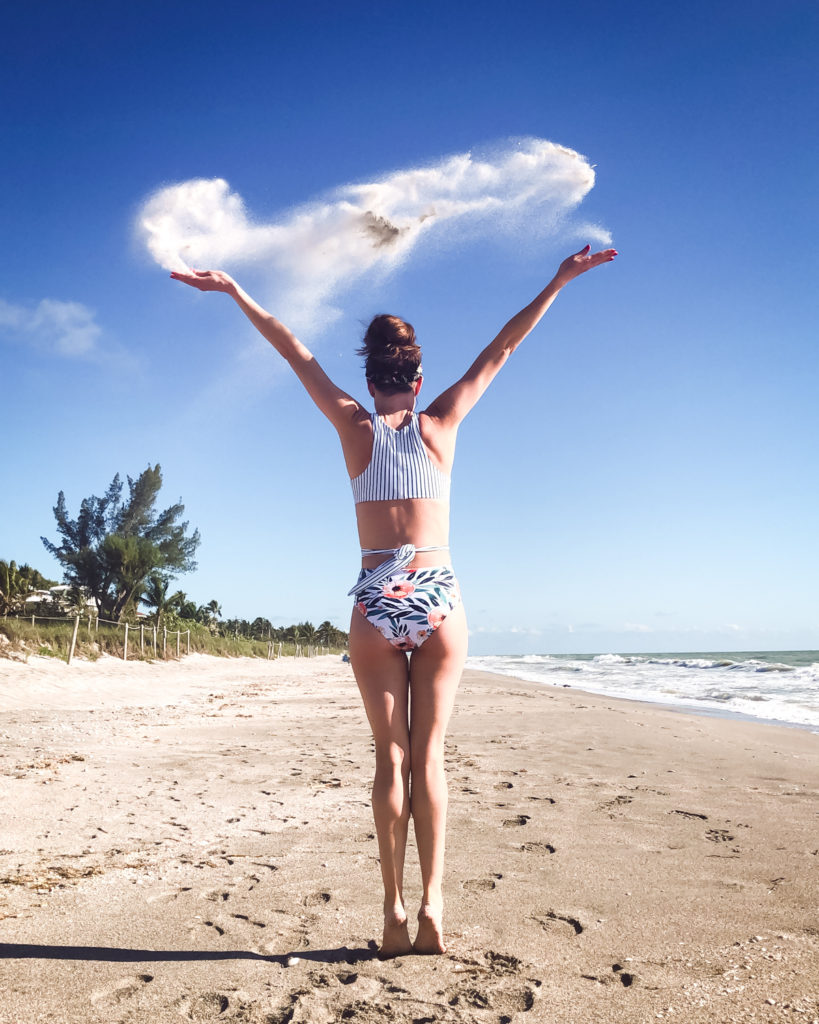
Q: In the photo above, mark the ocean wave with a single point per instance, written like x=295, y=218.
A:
x=747, y=684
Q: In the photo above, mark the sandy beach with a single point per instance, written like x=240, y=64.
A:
x=193, y=841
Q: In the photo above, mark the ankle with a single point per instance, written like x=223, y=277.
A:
x=394, y=911
x=433, y=899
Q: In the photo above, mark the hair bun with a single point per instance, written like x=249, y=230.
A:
x=392, y=357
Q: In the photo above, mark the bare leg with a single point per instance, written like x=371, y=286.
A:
x=382, y=675
x=435, y=671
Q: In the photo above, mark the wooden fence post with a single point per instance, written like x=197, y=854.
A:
x=189, y=641
x=73, y=638
x=165, y=642
x=178, y=634
x=141, y=639
x=154, y=641
x=125, y=648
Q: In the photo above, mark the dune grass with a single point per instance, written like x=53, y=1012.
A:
x=53, y=639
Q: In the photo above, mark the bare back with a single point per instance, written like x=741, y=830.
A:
x=389, y=524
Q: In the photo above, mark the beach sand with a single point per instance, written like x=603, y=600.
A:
x=193, y=841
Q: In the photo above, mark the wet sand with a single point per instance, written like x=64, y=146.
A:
x=193, y=841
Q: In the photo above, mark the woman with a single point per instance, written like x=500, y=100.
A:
x=407, y=598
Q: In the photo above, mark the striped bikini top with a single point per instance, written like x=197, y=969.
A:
x=400, y=467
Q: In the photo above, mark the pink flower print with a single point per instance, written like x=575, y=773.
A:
x=435, y=619
x=403, y=644
x=398, y=590
x=362, y=608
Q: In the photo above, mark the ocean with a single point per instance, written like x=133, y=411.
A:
x=777, y=686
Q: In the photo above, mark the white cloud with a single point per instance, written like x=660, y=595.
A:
x=315, y=251
x=64, y=328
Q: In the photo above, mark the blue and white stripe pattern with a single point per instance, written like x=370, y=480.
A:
x=400, y=467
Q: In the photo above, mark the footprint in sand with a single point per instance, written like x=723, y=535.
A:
x=519, y=819
x=503, y=992
x=719, y=835
x=625, y=978
x=216, y=896
x=205, y=929
x=619, y=801
x=206, y=1006
x=479, y=884
x=503, y=963
x=317, y=899
x=244, y=917
x=121, y=990
x=538, y=848
x=261, y=864
x=551, y=918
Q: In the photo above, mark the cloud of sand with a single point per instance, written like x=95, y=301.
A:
x=61, y=328
x=312, y=253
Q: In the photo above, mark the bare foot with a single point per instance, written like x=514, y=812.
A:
x=430, y=937
x=396, y=940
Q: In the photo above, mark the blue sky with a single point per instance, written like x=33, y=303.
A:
x=641, y=477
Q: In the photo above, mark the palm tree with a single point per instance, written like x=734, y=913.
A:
x=16, y=583
x=156, y=596
x=9, y=586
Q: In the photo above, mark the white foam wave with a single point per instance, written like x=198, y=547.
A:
x=749, y=686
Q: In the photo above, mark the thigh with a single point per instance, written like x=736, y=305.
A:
x=435, y=672
x=382, y=674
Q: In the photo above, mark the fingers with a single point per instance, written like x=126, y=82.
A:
x=196, y=278
x=604, y=256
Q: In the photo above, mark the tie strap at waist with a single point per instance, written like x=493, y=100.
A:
x=401, y=558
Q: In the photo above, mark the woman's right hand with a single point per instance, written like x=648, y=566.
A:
x=580, y=262
x=205, y=280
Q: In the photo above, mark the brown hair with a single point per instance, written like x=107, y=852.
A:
x=393, y=360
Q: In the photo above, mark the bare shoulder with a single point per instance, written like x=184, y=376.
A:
x=438, y=435
x=356, y=435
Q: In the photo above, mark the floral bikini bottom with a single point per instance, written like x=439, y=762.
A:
x=409, y=605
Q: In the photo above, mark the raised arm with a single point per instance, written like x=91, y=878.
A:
x=339, y=407
x=453, y=405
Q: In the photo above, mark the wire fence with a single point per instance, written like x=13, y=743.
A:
x=140, y=640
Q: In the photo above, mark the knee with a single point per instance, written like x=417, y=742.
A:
x=427, y=756
x=392, y=756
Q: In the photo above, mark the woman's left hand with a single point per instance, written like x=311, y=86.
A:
x=205, y=280
x=580, y=262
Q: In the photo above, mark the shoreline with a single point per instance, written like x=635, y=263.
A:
x=194, y=841
x=694, y=713
x=51, y=669
x=656, y=689
x=680, y=709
